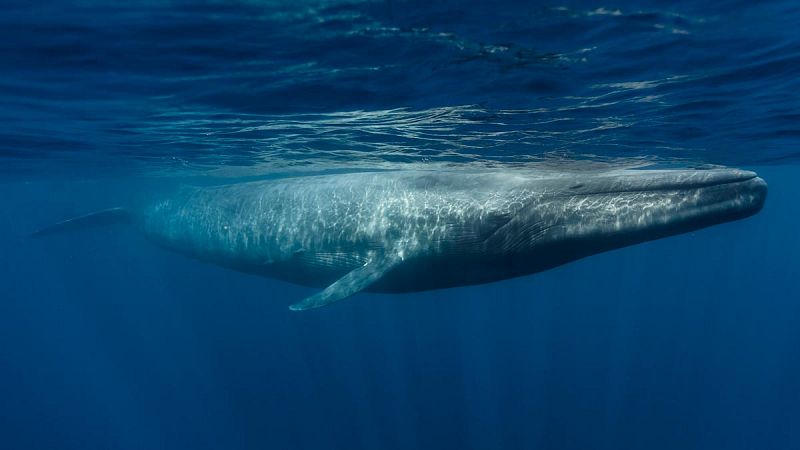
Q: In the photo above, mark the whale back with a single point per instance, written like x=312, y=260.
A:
x=275, y=220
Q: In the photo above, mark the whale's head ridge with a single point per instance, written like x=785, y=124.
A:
x=578, y=216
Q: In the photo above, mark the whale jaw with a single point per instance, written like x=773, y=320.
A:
x=613, y=211
x=671, y=203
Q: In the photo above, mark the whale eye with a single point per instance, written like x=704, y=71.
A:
x=705, y=167
x=576, y=186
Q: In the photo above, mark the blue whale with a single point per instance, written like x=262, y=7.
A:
x=406, y=231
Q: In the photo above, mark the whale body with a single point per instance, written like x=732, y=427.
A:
x=406, y=231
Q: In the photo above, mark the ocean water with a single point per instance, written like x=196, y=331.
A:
x=108, y=342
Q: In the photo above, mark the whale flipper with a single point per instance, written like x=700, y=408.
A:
x=355, y=281
x=105, y=217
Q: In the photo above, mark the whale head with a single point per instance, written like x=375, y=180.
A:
x=579, y=216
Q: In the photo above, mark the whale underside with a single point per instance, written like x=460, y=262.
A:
x=407, y=231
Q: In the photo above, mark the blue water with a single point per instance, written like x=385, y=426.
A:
x=107, y=342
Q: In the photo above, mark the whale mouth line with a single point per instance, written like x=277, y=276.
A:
x=699, y=185
x=732, y=179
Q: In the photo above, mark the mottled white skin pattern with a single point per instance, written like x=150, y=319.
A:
x=445, y=228
x=344, y=218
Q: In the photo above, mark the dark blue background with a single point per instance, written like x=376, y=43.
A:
x=692, y=342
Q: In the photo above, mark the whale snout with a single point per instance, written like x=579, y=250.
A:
x=733, y=195
x=702, y=198
x=744, y=186
x=719, y=192
x=717, y=196
x=638, y=206
x=754, y=194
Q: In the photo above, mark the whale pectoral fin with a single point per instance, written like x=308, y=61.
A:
x=355, y=281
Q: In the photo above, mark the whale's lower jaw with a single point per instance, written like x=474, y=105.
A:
x=696, y=208
x=656, y=214
x=627, y=218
